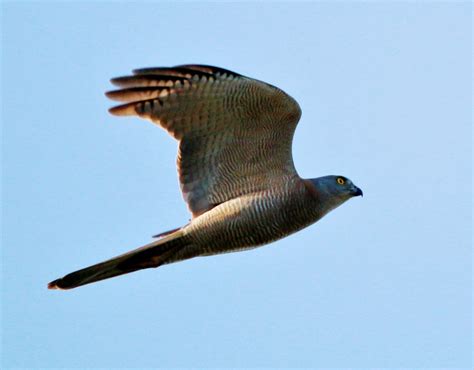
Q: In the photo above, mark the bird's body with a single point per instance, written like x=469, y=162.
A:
x=252, y=220
x=234, y=162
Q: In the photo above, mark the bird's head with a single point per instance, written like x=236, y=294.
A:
x=332, y=191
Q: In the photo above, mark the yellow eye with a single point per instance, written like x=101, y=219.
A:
x=340, y=181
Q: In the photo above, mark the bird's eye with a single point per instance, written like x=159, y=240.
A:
x=340, y=181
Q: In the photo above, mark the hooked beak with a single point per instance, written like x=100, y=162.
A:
x=356, y=192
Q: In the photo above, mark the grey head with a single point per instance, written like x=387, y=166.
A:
x=332, y=191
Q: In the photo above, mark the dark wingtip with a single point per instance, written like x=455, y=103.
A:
x=119, y=81
x=123, y=110
x=109, y=93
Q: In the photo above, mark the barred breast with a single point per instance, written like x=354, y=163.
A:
x=250, y=221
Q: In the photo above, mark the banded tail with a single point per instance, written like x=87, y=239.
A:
x=154, y=254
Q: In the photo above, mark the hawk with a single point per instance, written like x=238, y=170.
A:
x=235, y=165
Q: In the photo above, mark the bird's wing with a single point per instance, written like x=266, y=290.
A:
x=234, y=132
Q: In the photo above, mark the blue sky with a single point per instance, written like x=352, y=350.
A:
x=383, y=281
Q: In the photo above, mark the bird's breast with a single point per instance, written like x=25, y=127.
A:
x=252, y=220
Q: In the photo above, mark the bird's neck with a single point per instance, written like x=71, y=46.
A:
x=320, y=200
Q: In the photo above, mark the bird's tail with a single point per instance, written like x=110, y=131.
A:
x=154, y=254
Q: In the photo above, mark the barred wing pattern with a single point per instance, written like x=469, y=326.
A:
x=235, y=133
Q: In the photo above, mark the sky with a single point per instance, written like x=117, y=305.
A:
x=384, y=281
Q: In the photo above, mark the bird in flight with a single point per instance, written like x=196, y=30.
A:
x=235, y=165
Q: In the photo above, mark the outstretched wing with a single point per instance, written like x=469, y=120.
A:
x=234, y=132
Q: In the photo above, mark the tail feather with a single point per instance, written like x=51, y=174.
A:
x=151, y=255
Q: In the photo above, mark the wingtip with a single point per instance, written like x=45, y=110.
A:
x=118, y=81
x=120, y=110
x=149, y=70
x=123, y=110
x=108, y=93
x=117, y=95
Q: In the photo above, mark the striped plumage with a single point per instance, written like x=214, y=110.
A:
x=234, y=162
